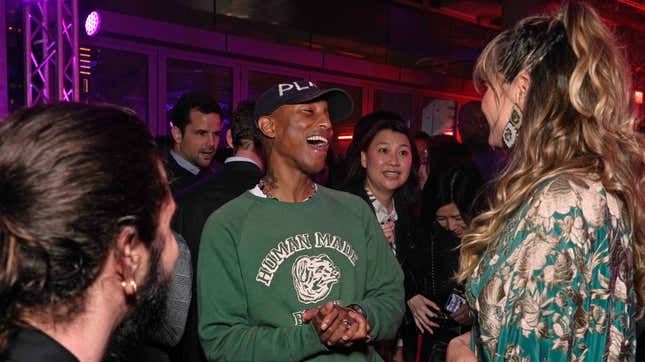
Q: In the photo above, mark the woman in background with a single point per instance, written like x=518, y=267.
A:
x=437, y=310
x=384, y=173
x=422, y=143
x=382, y=170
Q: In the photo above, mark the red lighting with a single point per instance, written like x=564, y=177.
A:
x=635, y=4
x=638, y=97
x=350, y=54
x=346, y=137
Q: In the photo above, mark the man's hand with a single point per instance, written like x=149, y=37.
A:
x=338, y=326
x=363, y=331
x=423, y=309
x=459, y=350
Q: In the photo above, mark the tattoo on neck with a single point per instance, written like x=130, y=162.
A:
x=271, y=181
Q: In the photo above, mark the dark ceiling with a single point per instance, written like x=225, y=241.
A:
x=443, y=36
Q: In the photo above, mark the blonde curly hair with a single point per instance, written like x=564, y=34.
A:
x=578, y=117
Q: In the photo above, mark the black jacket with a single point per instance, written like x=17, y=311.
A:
x=432, y=263
x=404, y=235
x=429, y=268
x=404, y=232
x=193, y=210
x=200, y=200
x=32, y=345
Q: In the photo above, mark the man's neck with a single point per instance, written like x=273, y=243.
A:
x=287, y=184
x=88, y=334
x=184, y=163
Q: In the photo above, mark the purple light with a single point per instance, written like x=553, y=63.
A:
x=93, y=23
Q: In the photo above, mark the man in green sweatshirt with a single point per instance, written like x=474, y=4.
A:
x=291, y=270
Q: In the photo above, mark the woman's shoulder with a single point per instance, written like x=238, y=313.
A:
x=566, y=193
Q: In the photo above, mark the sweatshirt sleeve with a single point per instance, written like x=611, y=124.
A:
x=224, y=329
x=384, y=296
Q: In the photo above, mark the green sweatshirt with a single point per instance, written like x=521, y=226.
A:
x=263, y=262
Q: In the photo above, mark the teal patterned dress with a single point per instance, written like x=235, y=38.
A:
x=558, y=285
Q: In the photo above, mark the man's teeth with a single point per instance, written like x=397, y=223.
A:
x=317, y=139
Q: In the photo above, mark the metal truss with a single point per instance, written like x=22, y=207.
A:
x=67, y=47
x=51, y=48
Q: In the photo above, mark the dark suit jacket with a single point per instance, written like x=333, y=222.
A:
x=178, y=177
x=197, y=204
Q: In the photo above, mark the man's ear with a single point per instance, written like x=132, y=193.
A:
x=175, y=132
x=128, y=253
x=523, y=82
x=229, y=138
x=267, y=126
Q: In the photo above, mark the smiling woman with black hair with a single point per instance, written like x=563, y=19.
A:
x=382, y=168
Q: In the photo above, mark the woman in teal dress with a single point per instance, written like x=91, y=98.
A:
x=555, y=269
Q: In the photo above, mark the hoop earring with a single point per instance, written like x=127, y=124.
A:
x=133, y=285
x=512, y=127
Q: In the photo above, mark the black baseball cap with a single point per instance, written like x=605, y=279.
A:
x=340, y=104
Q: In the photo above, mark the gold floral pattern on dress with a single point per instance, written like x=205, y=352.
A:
x=557, y=285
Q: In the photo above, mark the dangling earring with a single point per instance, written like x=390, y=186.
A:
x=132, y=284
x=512, y=127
